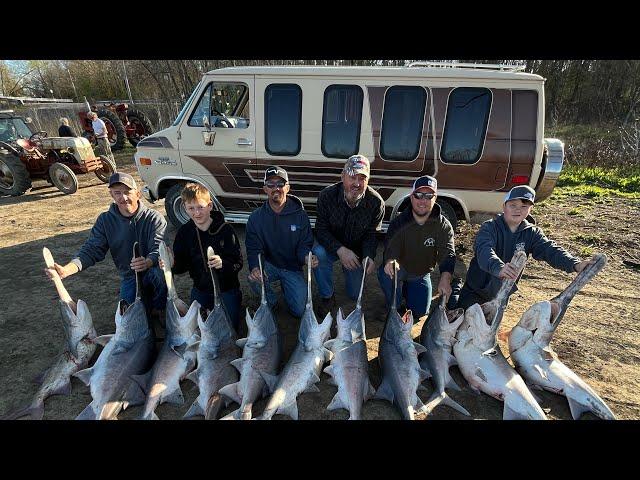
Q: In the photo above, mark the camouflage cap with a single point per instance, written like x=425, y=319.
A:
x=357, y=164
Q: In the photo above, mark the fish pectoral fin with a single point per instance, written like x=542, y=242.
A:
x=270, y=380
x=87, y=413
x=424, y=374
x=329, y=370
x=548, y=354
x=103, y=339
x=451, y=360
x=193, y=376
x=329, y=343
x=179, y=350
x=38, y=379
x=142, y=380
x=84, y=375
x=419, y=348
x=577, y=408
x=121, y=348
x=451, y=383
x=336, y=403
x=237, y=363
x=133, y=396
x=371, y=392
x=384, y=392
x=290, y=409
x=231, y=391
x=311, y=388
x=173, y=397
x=241, y=342
x=328, y=354
x=195, y=410
x=64, y=389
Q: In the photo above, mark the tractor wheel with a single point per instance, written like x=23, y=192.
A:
x=174, y=206
x=63, y=178
x=14, y=176
x=108, y=169
x=117, y=133
x=141, y=123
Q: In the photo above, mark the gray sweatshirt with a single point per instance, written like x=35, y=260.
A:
x=117, y=233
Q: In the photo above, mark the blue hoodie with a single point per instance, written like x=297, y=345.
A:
x=117, y=233
x=495, y=245
x=284, y=239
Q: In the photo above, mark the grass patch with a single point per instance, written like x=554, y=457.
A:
x=619, y=179
x=585, y=238
x=585, y=252
x=576, y=211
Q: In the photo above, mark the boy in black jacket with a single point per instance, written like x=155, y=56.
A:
x=208, y=228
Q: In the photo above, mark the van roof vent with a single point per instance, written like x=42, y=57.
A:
x=488, y=66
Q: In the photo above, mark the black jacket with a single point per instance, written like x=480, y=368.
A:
x=339, y=225
x=418, y=248
x=66, y=131
x=222, y=238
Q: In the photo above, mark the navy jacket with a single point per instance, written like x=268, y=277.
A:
x=495, y=245
x=284, y=239
x=117, y=233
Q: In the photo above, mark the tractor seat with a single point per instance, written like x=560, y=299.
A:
x=26, y=144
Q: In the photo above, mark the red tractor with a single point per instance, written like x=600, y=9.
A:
x=25, y=155
x=121, y=121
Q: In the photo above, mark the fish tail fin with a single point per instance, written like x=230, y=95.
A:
x=34, y=412
x=444, y=399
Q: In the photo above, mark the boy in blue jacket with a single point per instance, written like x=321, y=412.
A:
x=497, y=241
x=280, y=230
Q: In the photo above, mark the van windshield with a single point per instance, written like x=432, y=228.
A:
x=186, y=105
x=12, y=129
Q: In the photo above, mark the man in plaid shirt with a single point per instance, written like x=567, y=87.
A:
x=349, y=214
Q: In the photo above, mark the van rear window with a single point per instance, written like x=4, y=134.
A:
x=402, y=122
x=341, y=119
x=465, y=125
x=283, y=119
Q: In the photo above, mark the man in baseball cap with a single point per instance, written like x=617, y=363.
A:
x=497, y=241
x=349, y=214
x=417, y=240
x=126, y=222
x=280, y=232
x=123, y=178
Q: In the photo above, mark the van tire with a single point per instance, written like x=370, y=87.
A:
x=447, y=211
x=174, y=206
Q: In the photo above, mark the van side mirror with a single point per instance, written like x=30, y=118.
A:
x=205, y=122
x=28, y=120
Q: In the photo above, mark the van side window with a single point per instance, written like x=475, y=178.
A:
x=465, y=125
x=282, y=118
x=402, y=122
x=341, y=118
x=226, y=105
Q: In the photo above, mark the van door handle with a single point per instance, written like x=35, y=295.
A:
x=244, y=141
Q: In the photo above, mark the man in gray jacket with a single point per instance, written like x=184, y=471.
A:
x=127, y=221
x=497, y=241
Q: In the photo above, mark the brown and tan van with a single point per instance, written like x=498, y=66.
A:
x=479, y=129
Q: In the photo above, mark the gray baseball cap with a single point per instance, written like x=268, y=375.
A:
x=123, y=178
x=522, y=192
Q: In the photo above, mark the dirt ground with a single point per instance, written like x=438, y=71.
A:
x=599, y=337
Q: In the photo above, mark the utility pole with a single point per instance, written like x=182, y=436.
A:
x=75, y=93
x=126, y=81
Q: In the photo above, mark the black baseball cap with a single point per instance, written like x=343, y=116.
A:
x=276, y=171
x=124, y=178
x=426, y=181
x=522, y=192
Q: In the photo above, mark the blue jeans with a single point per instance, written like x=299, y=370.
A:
x=417, y=291
x=294, y=288
x=324, y=274
x=154, y=289
x=231, y=300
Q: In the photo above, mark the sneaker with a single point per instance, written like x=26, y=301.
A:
x=326, y=305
